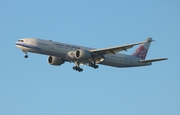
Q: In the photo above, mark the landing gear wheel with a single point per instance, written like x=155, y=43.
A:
x=26, y=56
x=77, y=69
x=96, y=66
x=80, y=69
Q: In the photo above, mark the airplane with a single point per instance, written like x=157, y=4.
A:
x=59, y=53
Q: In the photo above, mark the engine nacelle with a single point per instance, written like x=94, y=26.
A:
x=82, y=54
x=55, y=60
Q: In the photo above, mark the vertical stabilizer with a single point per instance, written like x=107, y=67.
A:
x=142, y=50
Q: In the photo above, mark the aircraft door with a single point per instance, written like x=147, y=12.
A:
x=51, y=44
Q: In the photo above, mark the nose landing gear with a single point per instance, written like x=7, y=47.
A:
x=26, y=56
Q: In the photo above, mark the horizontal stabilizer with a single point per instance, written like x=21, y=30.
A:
x=152, y=60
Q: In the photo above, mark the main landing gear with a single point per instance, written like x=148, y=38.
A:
x=77, y=69
x=94, y=66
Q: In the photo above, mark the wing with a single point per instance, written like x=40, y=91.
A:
x=114, y=50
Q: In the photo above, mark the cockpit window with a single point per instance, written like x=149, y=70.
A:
x=20, y=40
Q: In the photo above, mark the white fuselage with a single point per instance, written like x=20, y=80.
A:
x=65, y=51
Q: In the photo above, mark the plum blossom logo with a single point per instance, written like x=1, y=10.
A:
x=141, y=52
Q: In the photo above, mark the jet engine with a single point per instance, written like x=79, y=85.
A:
x=82, y=54
x=55, y=60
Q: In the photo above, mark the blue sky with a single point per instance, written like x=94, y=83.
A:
x=33, y=87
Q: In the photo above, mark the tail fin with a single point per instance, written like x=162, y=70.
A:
x=142, y=50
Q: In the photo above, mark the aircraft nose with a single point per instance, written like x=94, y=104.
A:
x=18, y=44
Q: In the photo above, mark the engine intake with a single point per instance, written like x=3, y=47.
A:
x=55, y=60
x=82, y=54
